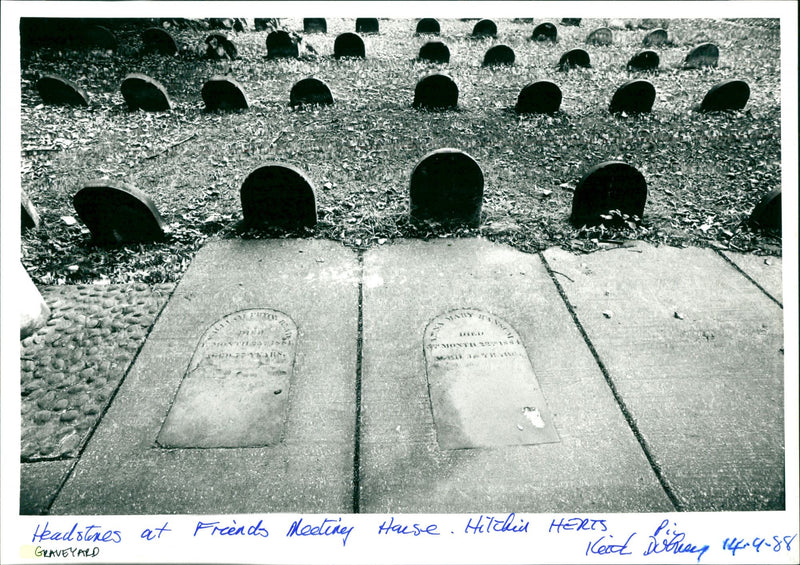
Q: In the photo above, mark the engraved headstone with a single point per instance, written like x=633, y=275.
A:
x=601, y=36
x=656, y=38
x=767, y=213
x=223, y=93
x=219, y=47
x=633, y=97
x=540, y=97
x=235, y=392
x=436, y=92
x=29, y=216
x=644, y=61
x=570, y=21
x=349, y=45
x=434, y=52
x=281, y=44
x=482, y=387
x=57, y=90
x=315, y=25
x=367, y=25
x=447, y=187
x=574, y=58
x=428, y=26
x=484, y=28
x=142, y=92
x=545, y=32
x=705, y=55
x=498, y=55
x=159, y=40
x=278, y=195
x=310, y=91
x=612, y=185
x=727, y=95
x=118, y=213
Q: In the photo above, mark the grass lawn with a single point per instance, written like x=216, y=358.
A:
x=705, y=172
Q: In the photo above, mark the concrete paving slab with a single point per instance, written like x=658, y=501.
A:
x=39, y=484
x=766, y=271
x=315, y=284
x=596, y=465
x=694, y=350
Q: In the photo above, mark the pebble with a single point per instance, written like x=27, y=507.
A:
x=60, y=404
x=42, y=416
x=69, y=415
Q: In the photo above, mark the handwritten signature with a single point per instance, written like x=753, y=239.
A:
x=666, y=539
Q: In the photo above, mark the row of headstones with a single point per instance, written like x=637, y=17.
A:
x=446, y=187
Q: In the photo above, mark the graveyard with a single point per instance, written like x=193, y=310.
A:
x=403, y=265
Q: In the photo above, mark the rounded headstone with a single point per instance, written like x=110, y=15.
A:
x=644, y=61
x=349, y=45
x=727, y=95
x=447, y=187
x=485, y=28
x=613, y=185
x=434, y=52
x=705, y=55
x=159, y=40
x=315, y=25
x=545, y=32
x=367, y=25
x=223, y=93
x=574, y=58
x=57, y=90
x=29, y=216
x=540, y=97
x=633, y=97
x=499, y=55
x=570, y=21
x=656, y=38
x=280, y=43
x=429, y=26
x=100, y=37
x=278, y=195
x=142, y=92
x=436, y=92
x=601, y=36
x=219, y=46
x=310, y=91
x=116, y=213
x=767, y=213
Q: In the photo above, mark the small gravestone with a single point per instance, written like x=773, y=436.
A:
x=281, y=44
x=223, y=93
x=608, y=186
x=117, y=213
x=434, y=52
x=278, y=195
x=601, y=36
x=265, y=24
x=447, y=187
x=219, y=47
x=482, y=387
x=315, y=25
x=428, y=26
x=767, y=213
x=235, y=392
x=574, y=58
x=101, y=37
x=33, y=310
x=57, y=90
x=545, y=32
x=498, y=55
x=484, y=28
x=705, y=55
x=142, y=92
x=29, y=216
x=367, y=25
x=540, y=97
x=727, y=95
x=349, y=45
x=644, y=61
x=634, y=97
x=160, y=41
x=310, y=91
x=436, y=92
x=570, y=21
x=656, y=38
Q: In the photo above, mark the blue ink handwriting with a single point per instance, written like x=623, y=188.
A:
x=405, y=529
x=256, y=530
x=775, y=544
x=578, y=524
x=150, y=535
x=603, y=546
x=493, y=524
x=88, y=533
x=670, y=540
x=326, y=528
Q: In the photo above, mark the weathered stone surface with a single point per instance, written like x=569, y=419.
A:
x=29, y=217
x=766, y=271
x=545, y=32
x=223, y=93
x=310, y=91
x=484, y=28
x=727, y=95
x=705, y=55
x=315, y=25
x=601, y=36
x=39, y=484
x=570, y=21
x=498, y=55
x=633, y=97
x=159, y=40
x=540, y=97
x=656, y=38
x=428, y=26
x=447, y=187
x=434, y=52
x=33, y=309
x=57, y=90
x=142, y=92
x=281, y=44
x=117, y=213
x=349, y=45
x=218, y=46
x=644, y=61
x=436, y=92
x=279, y=195
x=612, y=185
x=367, y=25
x=767, y=213
x=574, y=58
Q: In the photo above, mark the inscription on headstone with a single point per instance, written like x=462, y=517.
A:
x=483, y=390
x=236, y=388
x=428, y=25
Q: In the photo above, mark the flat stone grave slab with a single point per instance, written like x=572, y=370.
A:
x=481, y=439
x=727, y=95
x=281, y=44
x=633, y=97
x=484, y=28
x=436, y=92
x=159, y=40
x=367, y=25
x=315, y=25
x=766, y=270
x=545, y=32
x=144, y=93
x=57, y=90
x=574, y=58
x=39, y=483
x=498, y=55
x=310, y=92
x=540, y=97
x=705, y=55
x=644, y=61
x=428, y=26
x=349, y=45
x=222, y=93
x=434, y=52
x=694, y=350
x=656, y=38
x=314, y=284
x=601, y=36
